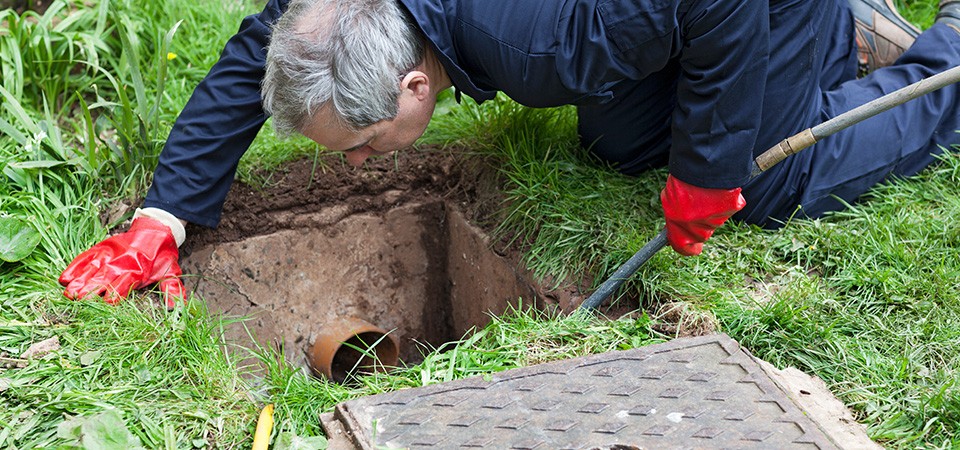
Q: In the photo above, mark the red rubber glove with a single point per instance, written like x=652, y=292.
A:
x=145, y=254
x=693, y=213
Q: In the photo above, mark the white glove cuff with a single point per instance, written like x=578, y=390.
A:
x=170, y=220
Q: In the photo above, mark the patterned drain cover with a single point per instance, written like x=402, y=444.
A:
x=700, y=392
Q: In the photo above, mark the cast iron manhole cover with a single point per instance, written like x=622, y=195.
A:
x=703, y=392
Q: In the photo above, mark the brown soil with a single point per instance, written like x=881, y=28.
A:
x=402, y=243
x=20, y=6
x=303, y=187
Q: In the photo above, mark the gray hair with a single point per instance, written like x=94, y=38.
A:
x=350, y=54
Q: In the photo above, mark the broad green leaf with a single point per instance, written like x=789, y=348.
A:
x=14, y=108
x=18, y=176
x=290, y=441
x=11, y=131
x=107, y=431
x=42, y=164
x=89, y=358
x=17, y=239
x=71, y=429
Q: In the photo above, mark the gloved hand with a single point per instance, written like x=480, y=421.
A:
x=693, y=213
x=145, y=254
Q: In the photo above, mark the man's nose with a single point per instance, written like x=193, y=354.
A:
x=357, y=157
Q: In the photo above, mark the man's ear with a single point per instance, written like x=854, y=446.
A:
x=418, y=83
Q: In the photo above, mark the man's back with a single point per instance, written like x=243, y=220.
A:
x=548, y=53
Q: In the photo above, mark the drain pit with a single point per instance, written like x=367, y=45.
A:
x=419, y=271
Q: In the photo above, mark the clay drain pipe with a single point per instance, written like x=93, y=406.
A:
x=350, y=346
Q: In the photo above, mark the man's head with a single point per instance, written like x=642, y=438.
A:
x=346, y=73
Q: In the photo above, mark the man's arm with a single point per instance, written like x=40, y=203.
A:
x=195, y=171
x=216, y=127
x=723, y=70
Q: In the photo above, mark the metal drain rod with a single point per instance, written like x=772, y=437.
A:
x=777, y=153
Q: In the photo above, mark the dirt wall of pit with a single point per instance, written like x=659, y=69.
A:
x=420, y=271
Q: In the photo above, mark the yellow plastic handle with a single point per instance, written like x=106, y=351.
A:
x=261, y=438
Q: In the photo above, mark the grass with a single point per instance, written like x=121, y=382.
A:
x=869, y=303
x=116, y=358
x=558, y=201
x=268, y=154
x=867, y=298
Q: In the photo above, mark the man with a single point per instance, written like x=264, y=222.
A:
x=701, y=86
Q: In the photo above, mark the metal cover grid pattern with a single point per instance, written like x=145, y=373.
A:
x=700, y=392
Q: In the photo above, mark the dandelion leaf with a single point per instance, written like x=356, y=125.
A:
x=17, y=239
x=104, y=431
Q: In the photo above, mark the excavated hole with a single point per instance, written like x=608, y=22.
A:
x=418, y=270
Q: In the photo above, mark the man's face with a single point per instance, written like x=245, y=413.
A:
x=381, y=138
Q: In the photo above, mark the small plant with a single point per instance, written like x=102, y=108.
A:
x=17, y=239
x=104, y=431
x=48, y=56
x=129, y=129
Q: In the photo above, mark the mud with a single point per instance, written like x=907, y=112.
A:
x=396, y=243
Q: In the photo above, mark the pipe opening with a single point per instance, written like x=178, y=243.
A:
x=364, y=353
x=349, y=347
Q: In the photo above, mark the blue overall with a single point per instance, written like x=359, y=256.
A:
x=699, y=85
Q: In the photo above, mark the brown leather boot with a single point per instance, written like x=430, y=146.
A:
x=950, y=13
x=882, y=33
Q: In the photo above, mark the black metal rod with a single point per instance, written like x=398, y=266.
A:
x=625, y=271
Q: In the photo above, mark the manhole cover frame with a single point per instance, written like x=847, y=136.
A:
x=353, y=419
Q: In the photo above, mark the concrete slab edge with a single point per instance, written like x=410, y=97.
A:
x=813, y=397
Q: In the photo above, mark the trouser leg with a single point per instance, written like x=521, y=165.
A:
x=812, y=49
x=634, y=131
x=899, y=142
